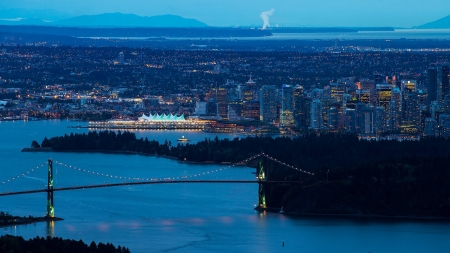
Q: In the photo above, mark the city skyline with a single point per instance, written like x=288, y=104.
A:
x=233, y=13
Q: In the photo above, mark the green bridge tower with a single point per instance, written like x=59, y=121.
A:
x=263, y=173
x=50, y=203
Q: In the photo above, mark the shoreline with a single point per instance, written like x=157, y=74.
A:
x=123, y=152
x=353, y=216
x=24, y=221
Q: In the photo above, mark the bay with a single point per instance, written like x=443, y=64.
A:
x=185, y=217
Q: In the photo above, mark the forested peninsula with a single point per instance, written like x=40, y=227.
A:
x=351, y=176
x=16, y=244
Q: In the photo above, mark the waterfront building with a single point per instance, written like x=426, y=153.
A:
x=251, y=109
x=200, y=108
x=220, y=96
x=268, y=103
x=212, y=108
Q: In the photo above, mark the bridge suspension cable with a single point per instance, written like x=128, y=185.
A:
x=156, y=179
x=24, y=174
x=287, y=165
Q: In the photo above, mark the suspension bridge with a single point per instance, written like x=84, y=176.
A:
x=25, y=179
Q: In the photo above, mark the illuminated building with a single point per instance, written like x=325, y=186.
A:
x=395, y=109
x=332, y=118
x=337, y=91
x=220, y=96
x=287, y=105
x=302, y=108
x=268, y=103
x=350, y=120
x=443, y=72
x=300, y=113
x=363, y=96
x=155, y=121
x=316, y=120
x=379, y=122
x=431, y=85
x=429, y=127
x=251, y=109
x=383, y=93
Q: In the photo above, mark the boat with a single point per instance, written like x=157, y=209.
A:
x=281, y=211
x=183, y=139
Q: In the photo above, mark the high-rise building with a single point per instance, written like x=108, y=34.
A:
x=379, y=122
x=287, y=105
x=268, y=103
x=429, y=127
x=363, y=96
x=360, y=117
x=235, y=110
x=412, y=111
x=395, y=110
x=302, y=108
x=316, y=120
x=367, y=124
x=298, y=105
x=432, y=86
x=383, y=93
x=200, y=108
x=337, y=91
x=350, y=120
x=333, y=118
x=443, y=72
x=212, y=108
x=220, y=96
x=251, y=109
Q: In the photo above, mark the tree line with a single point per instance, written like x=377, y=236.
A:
x=351, y=176
x=16, y=244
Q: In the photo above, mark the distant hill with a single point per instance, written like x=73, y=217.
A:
x=443, y=23
x=111, y=20
x=129, y=20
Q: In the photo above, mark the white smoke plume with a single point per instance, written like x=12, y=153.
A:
x=265, y=17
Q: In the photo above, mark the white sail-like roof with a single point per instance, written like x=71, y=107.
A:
x=162, y=117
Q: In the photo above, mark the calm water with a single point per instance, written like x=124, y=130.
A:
x=363, y=35
x=187, y=217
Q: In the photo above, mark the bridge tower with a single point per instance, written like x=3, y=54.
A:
x=50, y=203
x=262, y=172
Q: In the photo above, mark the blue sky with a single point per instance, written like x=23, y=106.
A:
x=398, y=13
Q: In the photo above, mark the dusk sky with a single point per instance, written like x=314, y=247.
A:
x=397, y=13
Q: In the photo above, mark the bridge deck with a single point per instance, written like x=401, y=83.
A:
x=146, y=183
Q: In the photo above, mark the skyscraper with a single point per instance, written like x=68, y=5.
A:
x=220, y=96
x=268, y=103
x=395, y=110
x=287, y=105
x=432, y=85
x=383, y=94
x=316, y=114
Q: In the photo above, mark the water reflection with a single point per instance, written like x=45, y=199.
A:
x=50, y=228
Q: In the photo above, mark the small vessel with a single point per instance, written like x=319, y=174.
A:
x=281, y=211
x=183, y=139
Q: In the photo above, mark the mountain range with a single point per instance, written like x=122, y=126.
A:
x=110, y=20
x=443, y=23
